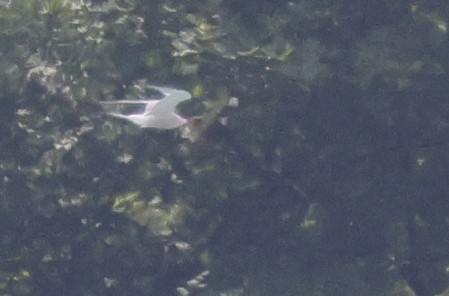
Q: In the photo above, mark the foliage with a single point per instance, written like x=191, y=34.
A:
x=319, y=166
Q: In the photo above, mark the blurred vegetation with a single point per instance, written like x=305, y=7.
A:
x=326, y=174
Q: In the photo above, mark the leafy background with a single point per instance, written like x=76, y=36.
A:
x=328, y=178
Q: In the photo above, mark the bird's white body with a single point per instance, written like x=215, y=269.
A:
x=158, y=114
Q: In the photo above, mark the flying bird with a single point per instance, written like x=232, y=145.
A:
x=151, y=113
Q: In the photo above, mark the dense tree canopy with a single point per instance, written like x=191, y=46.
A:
x=319, y=165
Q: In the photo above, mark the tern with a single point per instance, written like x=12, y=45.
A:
x=151, y=113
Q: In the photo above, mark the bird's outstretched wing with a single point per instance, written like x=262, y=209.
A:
x=172, y=97
x=128, y=107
